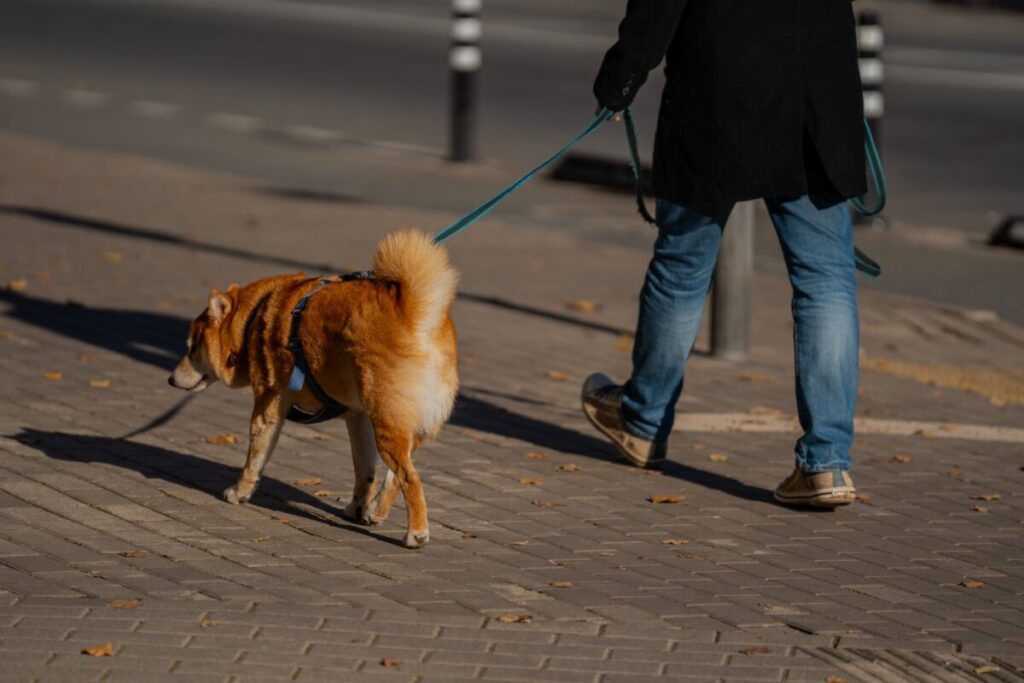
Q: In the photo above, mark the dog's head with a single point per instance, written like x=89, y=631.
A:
x=208, y=346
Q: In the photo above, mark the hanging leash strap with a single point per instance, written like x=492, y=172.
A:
x=301, y=375
x=877, y=176
x=479, y=212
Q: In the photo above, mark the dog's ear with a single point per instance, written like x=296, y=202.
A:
x=220, y=305
x=233, y=286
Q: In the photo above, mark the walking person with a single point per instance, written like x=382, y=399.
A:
x=762, y=100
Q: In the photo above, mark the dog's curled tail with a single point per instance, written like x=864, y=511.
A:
x=421, y=269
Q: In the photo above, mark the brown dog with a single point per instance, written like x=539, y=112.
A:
x=383, y=347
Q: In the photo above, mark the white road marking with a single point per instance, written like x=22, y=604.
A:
x=956, y=78
x=236, y=123
x=86, y=99
x=17, y=87
x=152, y=109
x=311, y=134
x=744, y=422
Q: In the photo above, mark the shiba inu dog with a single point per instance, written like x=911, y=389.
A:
x=382, y=346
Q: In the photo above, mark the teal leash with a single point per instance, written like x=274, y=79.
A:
x=479, y=212
x=865, y=263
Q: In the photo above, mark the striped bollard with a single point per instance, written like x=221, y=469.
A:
x=464, y=62
x=870, y=41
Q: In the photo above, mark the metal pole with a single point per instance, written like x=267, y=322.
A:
x=870, y=41
x=733, y=283
x=464, y=61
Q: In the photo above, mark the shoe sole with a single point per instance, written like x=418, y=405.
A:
x=591, y=414
x=822, y=500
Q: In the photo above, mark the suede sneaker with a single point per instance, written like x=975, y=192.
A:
x=819, y=489
x=602, y=404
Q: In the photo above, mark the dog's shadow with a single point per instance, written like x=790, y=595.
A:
x=187, y=470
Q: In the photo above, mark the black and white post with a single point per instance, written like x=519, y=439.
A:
x=464, y=61
x=870, y=41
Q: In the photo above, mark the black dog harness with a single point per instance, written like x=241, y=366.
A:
x=301, y=374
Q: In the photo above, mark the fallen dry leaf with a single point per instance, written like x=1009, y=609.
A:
x=674, y=541
x=762, y=650
x=558, y=376
x=863, y=497
x=99, y=383
x=694, y=556
x=390, y=663
x=531, y=481
x=19, y=285
x=979, y=508
x=755, y=377
x=955, y=473
x=624, y=343
x=718, y=457
x=106, y=650
x=221, y=439
x=762, y=410
x=583, y=306
x=312, y=481
x=163, y=305
x=987, y=497
x=834, y=679
x=901, y=458
x=926, y=433
x=468, y=535
x=515, y=619
x=660, y=500
x=999, y=402
x=136, y=554
x=535, y=455
x=5, y=335
x=887, y=459
x=546, y=503
x=948, y=428
x=971, y=583
x=651, y=473
x=523, y=542
x=570, y=467
x=113, y=256
x=561, y=584
x=259, y=539
x=52, y=376
x=209, y=623
x=321, y=493
x=987, y=669
x=282, y=520
x=124, y=604
x=699, y=446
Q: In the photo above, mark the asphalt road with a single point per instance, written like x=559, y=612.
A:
x=285, y=91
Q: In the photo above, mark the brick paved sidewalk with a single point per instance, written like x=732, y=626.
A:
x=109, y=490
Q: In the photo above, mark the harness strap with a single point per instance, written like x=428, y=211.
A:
x=301, y=374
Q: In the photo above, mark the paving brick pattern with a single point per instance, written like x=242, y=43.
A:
x=111, y=492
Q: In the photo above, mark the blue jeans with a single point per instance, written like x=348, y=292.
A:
x=817, y=242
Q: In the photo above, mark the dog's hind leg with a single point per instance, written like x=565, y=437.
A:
x=364, y=461
x=268, y=415
x=395, y=448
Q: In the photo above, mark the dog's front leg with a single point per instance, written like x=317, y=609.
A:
x=364, y=461
x=264, y=428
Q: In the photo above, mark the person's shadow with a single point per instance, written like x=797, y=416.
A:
x=157, y=339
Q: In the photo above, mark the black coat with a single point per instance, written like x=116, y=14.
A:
x=758, y=92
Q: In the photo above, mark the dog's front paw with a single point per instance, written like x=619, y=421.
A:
x=233, y=496
x=417, y=539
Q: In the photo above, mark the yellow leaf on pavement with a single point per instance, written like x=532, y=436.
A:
x=531, y=481
x=312, y=481
x=558, y=376
x=971, y=583
x=113, y=256
x=515, y=618
x=754, y=377
x=718, y=457
x=99, y=383
x=561, y=584
x=19, y=285
x=535, y=455
x=660, y=500
x=674, y=541
x=124, y=604
x=53, y=376
x=221, y=439
x=569, y=467
x=987, y=497
x=106, y=650
x=583, y=306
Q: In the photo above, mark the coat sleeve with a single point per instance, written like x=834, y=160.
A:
x=644, y=36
